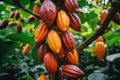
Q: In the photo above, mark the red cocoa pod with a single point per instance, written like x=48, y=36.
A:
x=72, y=71
x=42, y=50
x=48, y=12
x=3, y=24
x=75, y=22
x=12, y=14
x=72, y=57
x=68, y=40
x=61, y=54
x=41, y=32
x=50, y=63
x=116, y=18
x=71, y=5
x=19, y=28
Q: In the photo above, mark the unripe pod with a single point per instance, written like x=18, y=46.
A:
x=68, y=40
x=26, y=49
x=41, y=32
x=54, y=41
x=103, y=15
x=116, y=18
x=99, y=50
x=3, y=24
x=71, y=5
x=17, y=15
x=72, y=71
x=42, y=50
x=42, y=77
x=48, y=12
x=13, y=23
x=62, y=20
x=72, y=57
x=19, y=28
x=75, y=22
x=50, y=63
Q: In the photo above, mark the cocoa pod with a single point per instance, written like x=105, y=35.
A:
x=100, y=39
x=72, y=57
x=36, y=9
x=62, y=20
x=42, y=50
x=3, y=24
x=48, y=12
x=75, y=22
x=59, y=75
x=99, y=50
x=19, y=28
x=17, y=15
x=68, y=40
x=116, y=18
x=31, y=18
x=26, y=49
x=50, y=63
x=12, y=14
x=61, y=54
x=72, y=71
x=42, y=77
x=54, y=41
x=13, y=23
x=41, y=32
x=71, y=5
x=103, y=15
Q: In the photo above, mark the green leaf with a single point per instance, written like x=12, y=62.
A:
x=23, y=37
x=34, y=53
x=7, y=1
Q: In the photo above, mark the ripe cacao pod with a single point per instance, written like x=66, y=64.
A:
x=42, y=77
x=42, y=50
x=54, y=41
x=62, y=20
x=48, y=12
x=41, y=32
x=26, y=49
x=75, y=22
x=72, y=57
x=99, y=50
x=19, y=28
x=116, y=18
x=36, y=9
x=17, y=15
x=50, y=63
x=3, y=24
x=72, y=71
x=100, y=39
x=103, y=15
x=71, y=5
x=68, y=40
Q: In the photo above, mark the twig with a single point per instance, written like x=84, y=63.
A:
x=99, y=31
x=17, y=3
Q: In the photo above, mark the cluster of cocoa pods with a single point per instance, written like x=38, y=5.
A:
x=55, y=41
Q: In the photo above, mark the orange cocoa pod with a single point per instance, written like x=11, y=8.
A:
x=50, y=63
x=103, y=16
x=99, y=50
x=62, y=20
x=36, y=9
x=54, y=41
x=42, y=77
x=72, y=71
x=100, y=39
x=19, y=28
x=26, y=49
x=72, y=57
x=41, y=32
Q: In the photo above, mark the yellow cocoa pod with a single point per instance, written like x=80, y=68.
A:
x=26, y=49
x=99, y=50
x=54, y=41
x=42, y=77
x=62, y=20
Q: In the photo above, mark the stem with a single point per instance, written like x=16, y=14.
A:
x=100, y=30
x=17, y=3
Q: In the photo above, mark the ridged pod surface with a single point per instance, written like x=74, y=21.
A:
x=72, y=57
x=62, y=20
x=71, y=5
x=54, y=41
x=42, y=77
x=42, y=50
x=41, y=32
x=68, y=40
x=72, y=71
x=50, y=63
x=75, y=22
x=99, y=50
x=48, y=12
x=26, y=49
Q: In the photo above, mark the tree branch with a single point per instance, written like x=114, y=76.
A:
x=100, y=30
x=17, y=3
